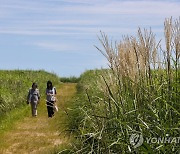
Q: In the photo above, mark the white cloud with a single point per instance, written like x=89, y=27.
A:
x=105, y=7
x=54, y=18
x=59, y=46
x=64, y=31
x=130, y=8
x=54, y=46
x=36, y=32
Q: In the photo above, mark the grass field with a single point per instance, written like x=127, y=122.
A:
x=131, y=107
x=137, y=97
x=13, y=93
x=41, y=134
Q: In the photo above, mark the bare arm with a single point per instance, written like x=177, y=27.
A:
x=28, y=97
x=38, y=95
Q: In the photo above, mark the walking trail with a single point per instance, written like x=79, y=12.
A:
x=40, y=135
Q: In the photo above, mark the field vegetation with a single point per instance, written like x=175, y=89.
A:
x=14, y=86
x=138, y=94
x=71, y=79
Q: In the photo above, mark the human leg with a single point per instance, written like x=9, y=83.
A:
x=34, y=108
x=50, y=109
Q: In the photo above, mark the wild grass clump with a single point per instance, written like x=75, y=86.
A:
x=139, y=94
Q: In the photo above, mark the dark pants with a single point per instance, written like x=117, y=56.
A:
x=50, y=108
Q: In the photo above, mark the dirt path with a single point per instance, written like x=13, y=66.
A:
x=41, y=134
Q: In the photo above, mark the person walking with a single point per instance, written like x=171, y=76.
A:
x=33, y=98
x=50, y=98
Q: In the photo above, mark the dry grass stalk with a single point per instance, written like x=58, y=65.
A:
x=132, y=57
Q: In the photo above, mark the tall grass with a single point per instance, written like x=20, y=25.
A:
x=138, y=94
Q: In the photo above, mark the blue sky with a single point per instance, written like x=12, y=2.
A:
x=59, y=35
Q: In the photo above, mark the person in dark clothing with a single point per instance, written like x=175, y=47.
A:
x=50, y=98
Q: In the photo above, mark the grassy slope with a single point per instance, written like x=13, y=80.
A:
x=78, y=109
x=91, y=119
x=13, y=92
x=41, y=135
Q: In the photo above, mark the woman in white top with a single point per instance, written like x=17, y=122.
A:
x=50, y=98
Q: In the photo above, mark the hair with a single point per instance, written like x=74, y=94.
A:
x=51, y=85
x=34, y=84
